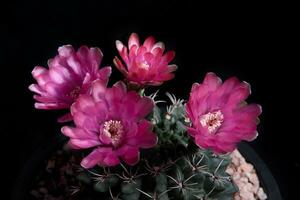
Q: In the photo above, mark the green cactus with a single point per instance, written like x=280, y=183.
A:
x=175, y=169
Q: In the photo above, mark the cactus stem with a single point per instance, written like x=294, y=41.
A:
x=211, y=191
x=74, y=190
x=166, y=191
x=155, y=170
x=100, y=177
x=130, y=177
x=189, y=178
x=112, y=196
x=218, y=166
x=145, y=193
x=173, y=179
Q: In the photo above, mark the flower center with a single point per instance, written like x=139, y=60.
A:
x=144, y=65
x=212, y=120
x=75, y=93
x=114, y=130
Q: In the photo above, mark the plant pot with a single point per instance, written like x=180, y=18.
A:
x=36, y=162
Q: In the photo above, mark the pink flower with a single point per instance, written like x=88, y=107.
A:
x=145, y=64
x=70, y=73
x=111, y=122
x=219, y=115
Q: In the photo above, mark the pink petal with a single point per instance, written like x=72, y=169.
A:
x=87, y=121
x=144, y=137
x=65, y=50
x=141, y=108
x=65, y=118
x=239, y=94
x=101, y=156
x=85, y=103
x=172, y=68
x=53, y=89
x=133, y=40
x=38, y=70
x=78, y=133
x=130, y=155
x=50, y=106
x=120, y=66
x=149, y=42
x=124, y=55
x=95, y=55
x=35, y=88
x=86, y=83
x=119, y=45
x=166, y=77
x=104, y=74
x=114, y=97
x=160, y=45
x=111, y=160
x=120, y=85
x=84, y=144
x=169, y=56
x=74, y=63
x=92, y=159
x=60, y=75
x=98, y=90
x=212, y=81
x=158, y=52
x=223, y=147
x=45, y=99
x=148, y=57
x=43, y=79
x=229, y=85
x=192, y=132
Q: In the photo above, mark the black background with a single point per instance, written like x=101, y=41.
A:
x=231, y=40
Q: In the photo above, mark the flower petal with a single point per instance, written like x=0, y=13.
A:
x=78, y=133
x=235, y=123
x=65, y=118
x=83, y=144
x=130, y=155
x=133, y=40
x=144, y=137
x=145, y=64
x=101, y=156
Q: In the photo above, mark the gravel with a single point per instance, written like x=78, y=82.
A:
x=245, y=177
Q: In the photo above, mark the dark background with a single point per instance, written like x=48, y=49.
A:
x=231, y=40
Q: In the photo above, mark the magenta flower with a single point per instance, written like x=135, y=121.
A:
x=145, y=64
x=70, y=73
x=219, y=115
x=111, y=121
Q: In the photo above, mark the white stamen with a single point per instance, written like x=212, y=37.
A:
x=212, y=120
x=145, y=65
x=114, y=130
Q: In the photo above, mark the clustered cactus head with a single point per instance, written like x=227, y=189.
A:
x=133, y=148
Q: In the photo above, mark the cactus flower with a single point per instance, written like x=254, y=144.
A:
x=219, y=116
x=111, y=122
x=70, y=73
x=145, y=64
